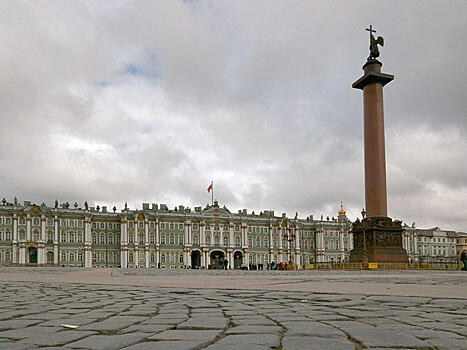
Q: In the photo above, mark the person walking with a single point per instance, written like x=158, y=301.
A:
x=464, y=259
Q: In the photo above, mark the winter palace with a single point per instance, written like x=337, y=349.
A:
x=158, y=237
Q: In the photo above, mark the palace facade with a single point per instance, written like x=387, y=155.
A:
x=158, y=237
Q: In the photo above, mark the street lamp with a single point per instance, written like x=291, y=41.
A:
x=290, y=239
x=365, y=256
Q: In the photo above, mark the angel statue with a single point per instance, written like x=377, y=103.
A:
x=374, y=51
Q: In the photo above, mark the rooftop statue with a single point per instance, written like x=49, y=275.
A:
x=374, y=51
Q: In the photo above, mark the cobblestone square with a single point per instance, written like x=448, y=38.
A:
x=149, y=309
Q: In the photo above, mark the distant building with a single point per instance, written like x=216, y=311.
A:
x=436, y=245
x=410, y=242
x=156, y=236
x=461, y=243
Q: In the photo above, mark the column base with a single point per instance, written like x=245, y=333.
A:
x=381, y=238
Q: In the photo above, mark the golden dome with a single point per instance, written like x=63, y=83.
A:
x=342, y=211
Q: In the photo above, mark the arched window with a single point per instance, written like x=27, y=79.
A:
x=72, y=257
x=131, y=238
x=94, y=257
x=140, y=224
x=250, y=241
x=36, y=222
x=80, y=256
x=130, y=257
x=22, y=221
x=163, y=238
x=180, y=258
x=35, y=235
x=180, y=239
x=7, y=256
x=152, y=257
x=102, y=226
x=274, y=242
x=172, y=239
x=71, y=237
x=266, y=242
x=225, y=240
x=22, y=234
x=163, y=258
x=326, y=244
x=172, y=257
x=258, y=241
x=152, y=238
x=196, y=239
x=216, y=239
x=208, y=239
x=50, y=236
x=62, y=256
x=111, y=257
x=141, y=239
x=237, y=241
x=266, y=258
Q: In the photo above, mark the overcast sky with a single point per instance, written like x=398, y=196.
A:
x=150, y=101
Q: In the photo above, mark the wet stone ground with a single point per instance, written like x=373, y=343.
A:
x=127, y=317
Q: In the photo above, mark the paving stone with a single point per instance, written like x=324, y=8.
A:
x=254, y=329
x=168, y=345
x=57, y=338
x=113, y=324
x=300, y=343
x=28, y=332
x=207, y=335
x=17, y=323
x=315, y=329
x=236, y=347
x=104, y=342
x=203, y=323
x=146, y=328
x=271, y=340
x=445, y=343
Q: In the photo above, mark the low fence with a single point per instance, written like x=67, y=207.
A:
x=453, y=266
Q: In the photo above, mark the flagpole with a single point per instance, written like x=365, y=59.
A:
x=212, y=194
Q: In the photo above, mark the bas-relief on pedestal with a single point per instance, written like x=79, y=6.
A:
x=377, y=238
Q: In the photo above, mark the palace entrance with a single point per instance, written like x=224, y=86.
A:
x=32, y=255
x=217, y=259
x=238, y=258
x=195, y=259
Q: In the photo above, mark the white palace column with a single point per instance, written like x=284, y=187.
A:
x=87, y=242
x=41, y=243
x=28, y=228
x=279, y=237
x=124, y=243
x=56, y=240
x=14, y=253
x=271, y=245
x=230, y=256
x=297, y=246
x=146, y=242
x=319, y=244
x=136, y=240
x=341, y=244
x=158, y=241
x=186, y=244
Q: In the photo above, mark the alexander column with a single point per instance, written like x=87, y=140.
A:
x=376, y=238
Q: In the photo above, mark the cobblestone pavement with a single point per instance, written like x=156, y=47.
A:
x=143, y=317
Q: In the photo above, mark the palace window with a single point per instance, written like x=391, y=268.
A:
x=94, y=257
x=22, y=234
x=71, y=223
x=208, y=227
x=22, y=221
x=131, y=238
x=274, y=230
x=237, y=228
x=172, y=239
x=162, y=238
x=130, y=257
x=63, y=237
x=180, y=239
x=208, y=240
x=226, y=228
x=226, y=240
x=141, y=239
x=250, y=241
x=140, y=224
x=36, y=222
x=7, y=221
x=196, y=239
x=119, y=226
x=63, y=257
x=266, y=241
x=152, y=258
x=237, y=241
x=162, y=258
x=71, y=237
x=63, y=223
x=94, y=225
x=162, y=226
x=80, y=256
x=111, y=258
x=102, y=257
x=172, y=257
x=274, y=242
x=111, y=239
x=152, y=238
x=80, y=223
x=50, y=236
x=265, y=230
x=130, y=224
x=180, y=258
x=216, y=239
x=72, y=257
x=50, y=222
x=94, y=238
x=151, y=226
x=180, y=226
x=195, y=226
x=110, y=226
x=216, y=228
x=80, y=237
x=102, y=226
x=7, y=256
x=117, y=241
x=249, y=229
x=35, y=235
x=257, y=229
x=171, y=226
x=102, y=239
x=258, y=241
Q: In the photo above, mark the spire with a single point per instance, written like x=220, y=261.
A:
x=342, y=211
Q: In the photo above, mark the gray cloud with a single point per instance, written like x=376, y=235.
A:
x=149, y=101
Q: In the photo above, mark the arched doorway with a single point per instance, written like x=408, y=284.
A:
x=50, y=257
x=217, y=259
x=32, y=255
x=195, y=259
x=238, y=258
